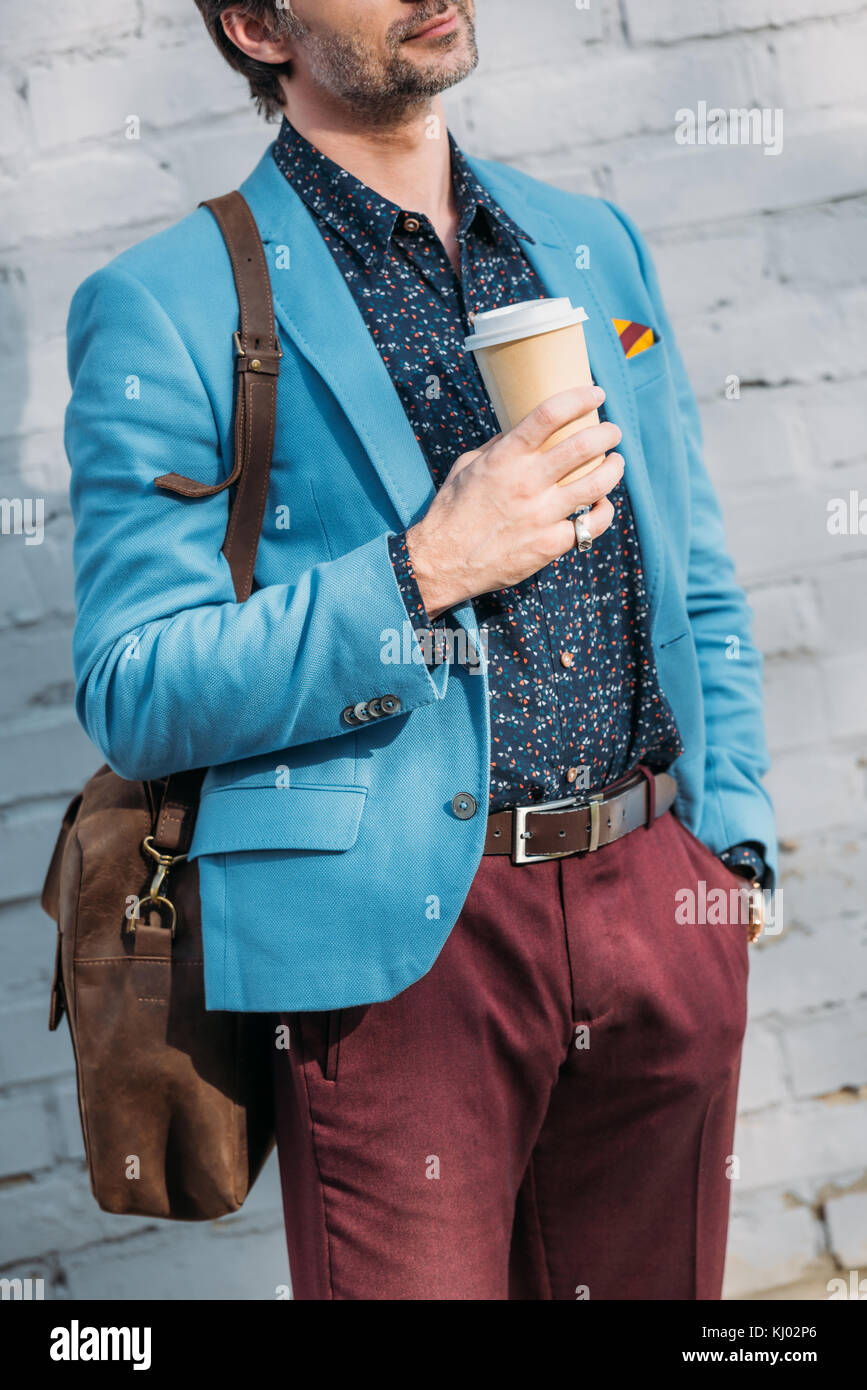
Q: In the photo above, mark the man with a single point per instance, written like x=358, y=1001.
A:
x=512, y=1072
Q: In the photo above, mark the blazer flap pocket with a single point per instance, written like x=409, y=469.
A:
x=251, y=818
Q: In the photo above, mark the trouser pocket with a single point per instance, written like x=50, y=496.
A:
x=319, y=1033
x=722, y=870
x=332, y=1043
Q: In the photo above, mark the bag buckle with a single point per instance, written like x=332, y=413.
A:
x=154, y=897
x=262, y=360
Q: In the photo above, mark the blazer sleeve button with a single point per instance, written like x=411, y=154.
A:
x=348, y=715
x=361, y=711
x=464, y=805
x=390, y=704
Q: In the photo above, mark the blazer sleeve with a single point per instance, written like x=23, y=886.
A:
x=171, y=672
x=737, y=807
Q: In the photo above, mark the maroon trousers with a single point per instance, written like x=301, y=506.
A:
x=547, y=1114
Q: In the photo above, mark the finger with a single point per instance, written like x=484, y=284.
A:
x=560, y=501
x=553, y=414
x=597, y=521
x=582, y=447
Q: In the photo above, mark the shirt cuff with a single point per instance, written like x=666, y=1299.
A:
x=430, y=635
x=738, y=857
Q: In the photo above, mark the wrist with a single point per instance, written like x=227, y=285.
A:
x=432, y=583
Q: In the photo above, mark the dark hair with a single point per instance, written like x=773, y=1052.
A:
x=264, y=78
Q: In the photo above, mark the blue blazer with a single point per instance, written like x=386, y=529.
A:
x=332, y=866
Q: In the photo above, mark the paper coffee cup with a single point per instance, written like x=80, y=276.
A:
x=527, y=352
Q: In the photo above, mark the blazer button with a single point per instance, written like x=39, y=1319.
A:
x=390, y=704
x=348, y=715
x=464, y=805
x=374, y=708
x=361, y=711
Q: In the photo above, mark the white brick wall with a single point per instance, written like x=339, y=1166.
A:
x=761, y=261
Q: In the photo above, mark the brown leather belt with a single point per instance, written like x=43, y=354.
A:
x=554, y=829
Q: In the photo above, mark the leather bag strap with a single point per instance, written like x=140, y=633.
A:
x=257, y=366
x=173, y=832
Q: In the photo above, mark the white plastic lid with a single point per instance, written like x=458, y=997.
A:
x=522, y=320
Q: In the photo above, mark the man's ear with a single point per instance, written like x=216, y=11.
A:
x=254, y=38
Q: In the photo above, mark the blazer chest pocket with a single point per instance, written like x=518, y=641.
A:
x=647, y=366
x=660, y=424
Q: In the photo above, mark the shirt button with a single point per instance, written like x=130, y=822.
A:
x=567, y=658
x=411, y=224
x=572, y=774
x=464, y=805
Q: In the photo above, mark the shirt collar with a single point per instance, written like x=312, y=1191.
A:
x=362, y=217
x=472, y=195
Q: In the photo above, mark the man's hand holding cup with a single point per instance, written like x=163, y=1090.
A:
x=503, y=512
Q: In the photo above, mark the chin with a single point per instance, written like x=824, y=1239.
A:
x=451, y=62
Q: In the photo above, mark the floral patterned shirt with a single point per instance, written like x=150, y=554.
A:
x=575, y=701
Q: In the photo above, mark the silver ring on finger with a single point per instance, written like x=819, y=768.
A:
x=583, y=538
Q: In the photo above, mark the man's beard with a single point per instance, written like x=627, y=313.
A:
x=383, y=90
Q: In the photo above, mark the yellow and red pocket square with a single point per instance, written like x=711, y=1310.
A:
x=634, y=337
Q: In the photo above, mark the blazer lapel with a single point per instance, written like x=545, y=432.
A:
x=316, y=310
x=553, y=258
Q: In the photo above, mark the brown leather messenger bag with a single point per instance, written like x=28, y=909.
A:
x=175, y=1102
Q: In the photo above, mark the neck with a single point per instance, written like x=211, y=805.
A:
x=402, y=161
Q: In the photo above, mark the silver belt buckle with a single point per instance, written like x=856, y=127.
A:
x=520, y=813
x=519, y=827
